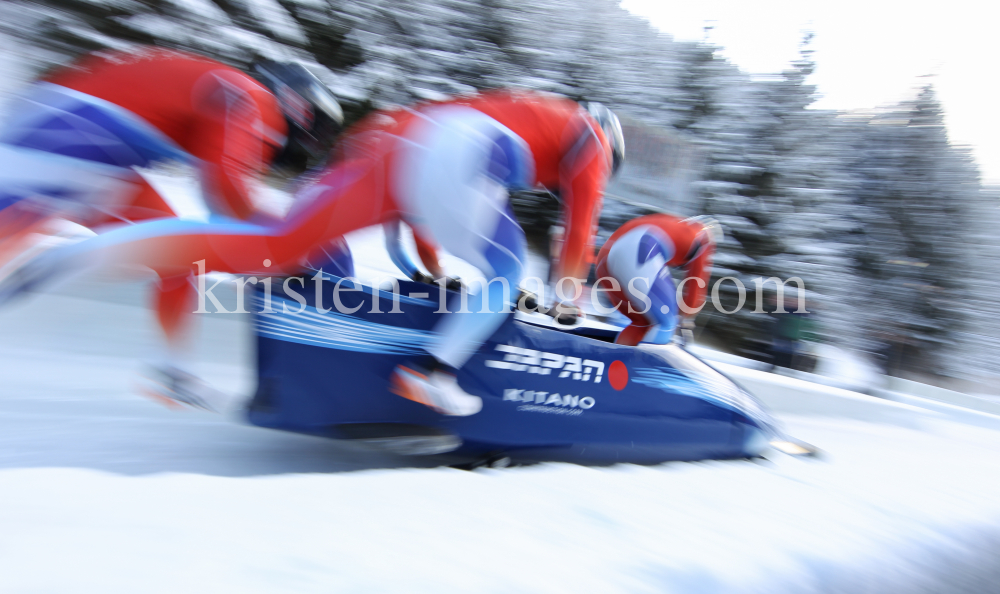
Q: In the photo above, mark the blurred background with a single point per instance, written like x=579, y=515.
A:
x=885, y=220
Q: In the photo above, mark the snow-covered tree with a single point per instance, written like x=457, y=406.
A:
x=771, y=182
x=913, y=191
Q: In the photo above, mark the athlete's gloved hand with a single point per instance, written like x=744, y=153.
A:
x=420, y=277
x=566, y=314
x=452, y=283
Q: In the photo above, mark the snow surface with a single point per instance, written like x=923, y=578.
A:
x=857, y=523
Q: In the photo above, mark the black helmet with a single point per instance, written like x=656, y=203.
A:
x=612, y=130
x=314, y=117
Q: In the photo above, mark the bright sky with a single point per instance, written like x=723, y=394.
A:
x=868, y=53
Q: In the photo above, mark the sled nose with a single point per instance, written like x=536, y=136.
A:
x=757, y=441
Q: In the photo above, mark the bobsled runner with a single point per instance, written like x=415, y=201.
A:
x=549, y=393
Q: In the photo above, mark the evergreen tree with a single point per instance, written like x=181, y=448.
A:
x=770, y=182
x=978, y=340
x=913, y=191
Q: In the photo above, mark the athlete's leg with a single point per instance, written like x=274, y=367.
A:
x=452, y=181
x=343, y=200
x=173, y=296
x=460, y=333
x=639, y=324
x=500, y=258
x=40, y=192
x=30, y=223
x=66, y=155
x=167, y=380
x=237, y=248
x=635, y=332
x=174, y=299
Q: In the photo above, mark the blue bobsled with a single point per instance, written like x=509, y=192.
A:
x=548, y=393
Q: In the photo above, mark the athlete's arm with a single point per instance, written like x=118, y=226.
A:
x=397, y=251
x=583, y=175
x=233, y=142
x=401, y=258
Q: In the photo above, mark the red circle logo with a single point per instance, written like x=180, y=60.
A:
x=618, y=375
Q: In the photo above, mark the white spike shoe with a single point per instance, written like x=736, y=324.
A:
x=438, y=390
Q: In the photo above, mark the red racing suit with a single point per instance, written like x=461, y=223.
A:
x=572, y=157
x=216, y=113
x=693, y=249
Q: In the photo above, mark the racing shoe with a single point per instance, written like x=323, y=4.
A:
x=175, y=386
x=438, y=390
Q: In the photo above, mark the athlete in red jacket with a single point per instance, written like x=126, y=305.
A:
x=132, y=108
x=72, y=140
x=639, y=255
x=444, y=168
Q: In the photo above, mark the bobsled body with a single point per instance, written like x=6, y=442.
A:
x=548, y=393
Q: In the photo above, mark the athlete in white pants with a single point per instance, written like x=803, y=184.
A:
x=452, y=184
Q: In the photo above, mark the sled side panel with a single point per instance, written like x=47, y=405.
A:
x=546, y=394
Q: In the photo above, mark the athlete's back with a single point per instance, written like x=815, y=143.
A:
x=212, y=111
x=170, y=89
